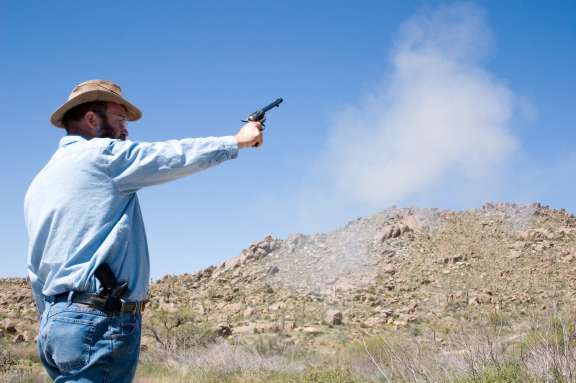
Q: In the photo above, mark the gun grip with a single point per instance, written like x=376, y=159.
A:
x=105, y=276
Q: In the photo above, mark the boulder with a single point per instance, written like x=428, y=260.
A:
x=333, y=317
x=311, y=331
x=264, y=327
x=28, y=337
x=18, y=338
x=234, y=307
x=389, y=269
x=390, y=231
x=272, y=270
x=9, y=326
x=248, y=312
x=374, y=321
x=224, y=330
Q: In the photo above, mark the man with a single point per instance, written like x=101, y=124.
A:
x=82, y=215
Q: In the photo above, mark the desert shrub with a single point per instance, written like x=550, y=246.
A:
x=488, y=351
x=23, y=375
x=7, y=360
x=157, y=372
x=330, y=376
x=25, y=352
x=549, y=351
x=508, y=373
x=226, y=357
x=394, y=359
x=14, y=370
x=498, y=318
x=269, y=345
x=178, y=330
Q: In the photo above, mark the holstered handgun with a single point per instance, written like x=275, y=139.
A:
x=111, y=289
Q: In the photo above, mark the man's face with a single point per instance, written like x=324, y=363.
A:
x=113, y=123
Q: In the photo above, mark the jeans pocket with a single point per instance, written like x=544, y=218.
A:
x=69, y=342
x=124, y=328
x=125, y=336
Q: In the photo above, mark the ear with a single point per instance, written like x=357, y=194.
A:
x=91, y=119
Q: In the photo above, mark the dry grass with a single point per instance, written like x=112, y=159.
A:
x=226, y=358
x=549, y=351
x=492, y=353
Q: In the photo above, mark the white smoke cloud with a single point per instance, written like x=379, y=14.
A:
x=438, y=114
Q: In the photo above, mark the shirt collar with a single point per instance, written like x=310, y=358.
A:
x=71, y=139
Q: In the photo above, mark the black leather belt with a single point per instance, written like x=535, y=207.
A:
x=106, y=304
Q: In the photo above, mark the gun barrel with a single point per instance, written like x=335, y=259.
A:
x=276, y=103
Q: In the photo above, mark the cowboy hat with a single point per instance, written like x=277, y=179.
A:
x=94, y=90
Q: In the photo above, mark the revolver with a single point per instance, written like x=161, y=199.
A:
x=260, y=114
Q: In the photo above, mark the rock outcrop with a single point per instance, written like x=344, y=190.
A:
x=414, y=270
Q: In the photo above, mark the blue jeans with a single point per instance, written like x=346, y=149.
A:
x=78, y=343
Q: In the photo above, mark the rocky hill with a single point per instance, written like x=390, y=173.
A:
x=419, y=272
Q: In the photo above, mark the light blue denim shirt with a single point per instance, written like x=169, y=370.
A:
x=82, y=209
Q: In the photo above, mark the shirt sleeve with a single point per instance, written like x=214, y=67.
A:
x=133, y=165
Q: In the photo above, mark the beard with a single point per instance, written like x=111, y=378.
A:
x=108, y=131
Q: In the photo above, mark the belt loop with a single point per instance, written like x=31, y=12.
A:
x=70, y=295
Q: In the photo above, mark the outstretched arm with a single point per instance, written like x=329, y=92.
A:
x=133, y=165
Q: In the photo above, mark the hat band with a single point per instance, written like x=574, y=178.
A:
x=103, y=87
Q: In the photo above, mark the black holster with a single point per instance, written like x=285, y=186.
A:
x=112, y=290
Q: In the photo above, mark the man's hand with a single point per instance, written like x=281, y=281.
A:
x=250, y=135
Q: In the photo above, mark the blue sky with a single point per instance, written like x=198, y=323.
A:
x=353, y=76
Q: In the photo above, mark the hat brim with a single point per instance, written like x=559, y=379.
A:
x=133, y=113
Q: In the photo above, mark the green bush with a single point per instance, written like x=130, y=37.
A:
x=269, y=344
x=508, y=373
x=178, y=330
x=497, y=318
x=330, y=376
